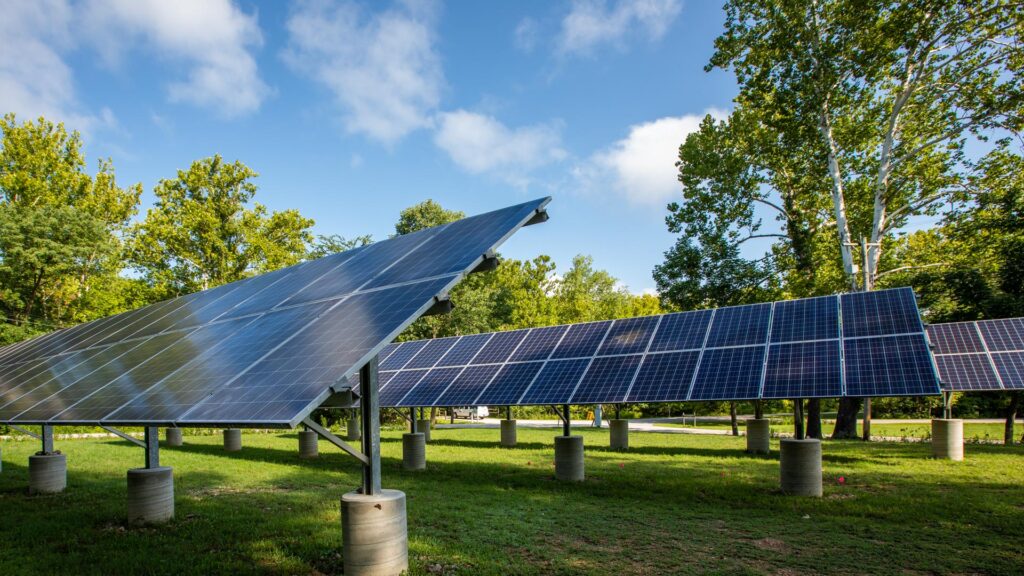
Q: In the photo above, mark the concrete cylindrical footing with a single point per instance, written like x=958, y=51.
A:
x=619, y=434
x=508, y=433
x=414, y=451
x=948, y=439
x=800, y=466
x=47, y=473
x=150, y=495
x=232, y=440
x=354, y=432
x=374, y=535
x=424, y=427
x=569, y=458
x=759, y=436
x=173, y=436
x=308, y=447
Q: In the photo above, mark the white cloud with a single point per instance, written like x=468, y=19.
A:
x=592, y=23
x=212, y=38
x=481, y=144
x=383, y=69
x=641, y=166
x=527, y=34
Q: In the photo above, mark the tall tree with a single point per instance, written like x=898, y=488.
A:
x=888, y=94
x=202, y=231
x=426, y=214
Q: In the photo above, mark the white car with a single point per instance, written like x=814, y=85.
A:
x=472, y=412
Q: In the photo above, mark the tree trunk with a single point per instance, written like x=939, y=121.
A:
x=732, y=418
x=814, y=418
x=1011, y=415
x=867, y=420
x=433, y=416
x=846, y=419
x=758, y=409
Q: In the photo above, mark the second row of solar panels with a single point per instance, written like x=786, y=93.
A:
x=986, y=355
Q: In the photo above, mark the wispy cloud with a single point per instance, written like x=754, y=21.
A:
x=481, y=144
x=593, y=23
x=383, y=69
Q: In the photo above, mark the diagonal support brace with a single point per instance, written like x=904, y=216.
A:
x=26, y=432
x=326, y=435
x=124, y=435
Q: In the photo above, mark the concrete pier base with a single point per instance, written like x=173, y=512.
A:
x=374, y=534
x=800, y=466
x=414, y=451
x=424, y=427
x=508, y=433
x=308, y=447
x=47, y=473
x=232, y=440
x=619, y=434
x=758, y=436
x=354, y=432
x=150, y=495
x=173, y=437
x=948, y=439
x=569, y=458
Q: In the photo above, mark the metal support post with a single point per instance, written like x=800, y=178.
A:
x=47, y=436
x=565, y=421
x=947, y=405
x=798, y=418
x=412, y=420
x=508, y=412
x=369, y=405
x=152, y=447
x=617, y=408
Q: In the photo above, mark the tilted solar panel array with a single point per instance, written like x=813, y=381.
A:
x=264, y=351
x=860, y=344
x=979, y=356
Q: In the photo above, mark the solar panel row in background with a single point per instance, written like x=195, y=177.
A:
x=979, y=356
x=263, y=351
x=862, y=344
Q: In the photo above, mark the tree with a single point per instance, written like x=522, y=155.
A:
x=426, y=214
x=60, y=228
x=325, y=245
x=202, y=233
x=887, y=94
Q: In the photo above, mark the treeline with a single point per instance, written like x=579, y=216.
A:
x=74, y=247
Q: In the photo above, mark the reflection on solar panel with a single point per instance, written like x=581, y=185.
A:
x=978, y=356
x=264, y=351
x=790, y=349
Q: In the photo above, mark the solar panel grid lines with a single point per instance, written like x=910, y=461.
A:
x=468, y=385
x=988, y=356
x=880, y=313
x=463, y=352
x=431, y=387
x=402, y=354
x=891, y=365
x=1010, y=368
x=767, y=349
x=603, y=382
x=732, y=373
x=41, y=373
x=960, y=372
x=509, y=384
x=1003, y=335
x=591, y=360
x=646, y=351
x=399, y=385
x=430, y=354
x=700, y=355
x=664, y=377
x=681, y=331
x=628, y=336
x=740, y=326
x=537, y=345
x=803, y=370
x=581, y=340
x=805, y=320
x=500, y=347
x=978, y=355
x=555, y=381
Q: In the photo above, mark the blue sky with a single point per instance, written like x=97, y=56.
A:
x=351, y=111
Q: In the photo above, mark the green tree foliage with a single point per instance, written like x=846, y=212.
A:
x=61, y=230
x=325, y=245
x=426, y=214
x=202, y=231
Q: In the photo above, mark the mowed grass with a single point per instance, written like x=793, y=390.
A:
x=673, y=504
x=973, y=431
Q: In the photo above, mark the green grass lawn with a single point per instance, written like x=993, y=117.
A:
x=973, y=431
x=677, y=504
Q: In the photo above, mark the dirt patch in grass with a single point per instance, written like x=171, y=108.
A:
x=774, y=545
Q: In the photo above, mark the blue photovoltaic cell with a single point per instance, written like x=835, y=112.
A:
x=431, y=353
x=1003, y=335
x=465, y=389
x=729, y=374
x=607, y=380
x=966, y=372
x=803, y=370
x=508, y=384
x=401, y=356
x=538, y=344
x=581, y=340
x=430, y=387
x=628, y=336
x=464, y=350
x=955, y=338
x=556, y=382
x=880, y=313
x=42, y=372
x=740, y=326
x=1011, y=369
x=500, y=347
x=664, y=377
x=681, y=331
x=399, y=386
x=806, y=319
x=386, y=351
x=243, y=290
x=889, y=366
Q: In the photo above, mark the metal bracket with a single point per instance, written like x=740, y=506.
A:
x=124, y=435
x=557, y=413
x=539, y=218
x=442, y=305
x=26, y=432
x=490, y=263
x=326, y=435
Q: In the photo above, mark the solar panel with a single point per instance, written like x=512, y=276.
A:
x=464, y=350
x=961, y=372
x=1003, y=335
x=788, y=349
x=399, y=385
x=431, y=353
x=1011, y=369
x=264, y=351
x=979, y=356
x=430, y=387
x=956, y=338
x=401, y=356
x=468, y=385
